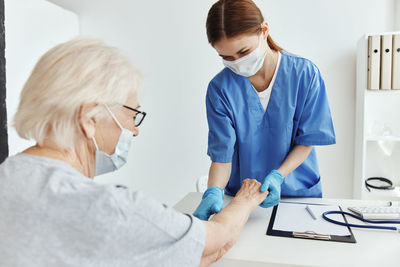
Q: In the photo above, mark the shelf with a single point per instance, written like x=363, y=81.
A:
x=377, y=132
x=383, y=194
x=392, y=91
x=382, y=138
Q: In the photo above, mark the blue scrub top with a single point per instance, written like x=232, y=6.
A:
x=257, y=142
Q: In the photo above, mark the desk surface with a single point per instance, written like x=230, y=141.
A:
x=255, y=248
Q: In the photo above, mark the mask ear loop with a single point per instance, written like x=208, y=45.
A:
x=95, y=143
x=264, y=28
x=113, y=116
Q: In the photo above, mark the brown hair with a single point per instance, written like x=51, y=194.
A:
x=229, y=18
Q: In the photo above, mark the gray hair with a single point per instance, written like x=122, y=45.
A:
x=81, y=71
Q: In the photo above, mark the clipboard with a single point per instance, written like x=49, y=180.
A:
x=348, y=238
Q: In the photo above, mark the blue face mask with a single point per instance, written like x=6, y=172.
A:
x=108, y=163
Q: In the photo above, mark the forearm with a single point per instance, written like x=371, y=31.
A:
x=233, y=217
x=224, y=228
x=294, y=159
x=219, y=174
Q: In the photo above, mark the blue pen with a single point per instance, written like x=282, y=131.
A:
x=311, y=212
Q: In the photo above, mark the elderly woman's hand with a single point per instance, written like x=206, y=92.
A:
x=250, y=193
x=224, y=228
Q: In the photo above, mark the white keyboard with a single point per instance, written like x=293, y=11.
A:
x=377, y=213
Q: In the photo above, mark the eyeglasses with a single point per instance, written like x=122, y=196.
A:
x=139, y=116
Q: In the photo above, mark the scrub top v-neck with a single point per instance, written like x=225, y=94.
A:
x=265, y=95
x=258, y=141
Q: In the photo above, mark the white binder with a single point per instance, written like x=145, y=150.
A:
x=396, y=62
x=374, y=60
x=386, y=62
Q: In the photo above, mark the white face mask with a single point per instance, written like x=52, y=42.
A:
x=248, y=65
x=108, y=163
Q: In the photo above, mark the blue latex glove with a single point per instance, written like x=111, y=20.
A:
x=212, y=202
x=272, y=183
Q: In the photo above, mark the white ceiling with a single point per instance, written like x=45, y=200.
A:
x=73, y=5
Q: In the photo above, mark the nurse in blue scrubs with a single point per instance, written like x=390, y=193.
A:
x=266, y=111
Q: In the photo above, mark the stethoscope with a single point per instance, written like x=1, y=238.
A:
x=368, y=185
x=324, y=215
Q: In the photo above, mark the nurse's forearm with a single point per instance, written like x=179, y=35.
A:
x=296, y=157
x=219, y=174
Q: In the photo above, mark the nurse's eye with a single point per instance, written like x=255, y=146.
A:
x=244, y=52
x=229, y=58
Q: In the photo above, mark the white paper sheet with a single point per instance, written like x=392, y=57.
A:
x=294, y=217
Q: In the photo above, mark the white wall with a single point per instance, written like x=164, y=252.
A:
x=167, y=41
x=32, y=28
x=397, y=15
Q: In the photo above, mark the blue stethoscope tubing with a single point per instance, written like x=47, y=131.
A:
x=324, y=215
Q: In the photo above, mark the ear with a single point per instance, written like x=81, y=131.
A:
x=86, y=123
x=265, y=29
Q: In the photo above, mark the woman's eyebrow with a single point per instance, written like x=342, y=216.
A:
x=240, y=50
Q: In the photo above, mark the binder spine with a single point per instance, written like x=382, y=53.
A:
x=374, y=59
x=396, y=62
x=386, y=62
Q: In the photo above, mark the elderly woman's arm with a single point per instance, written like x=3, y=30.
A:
x=224, y=228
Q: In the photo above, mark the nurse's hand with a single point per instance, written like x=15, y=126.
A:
x=212, y=202
x=272, y=183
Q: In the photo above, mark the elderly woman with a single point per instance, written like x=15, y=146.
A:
x=80, y=105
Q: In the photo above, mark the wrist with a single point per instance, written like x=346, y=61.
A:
x=215, y=190
x=282, y=172
x=244, y=203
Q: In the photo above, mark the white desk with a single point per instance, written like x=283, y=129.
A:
x=255, y=249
